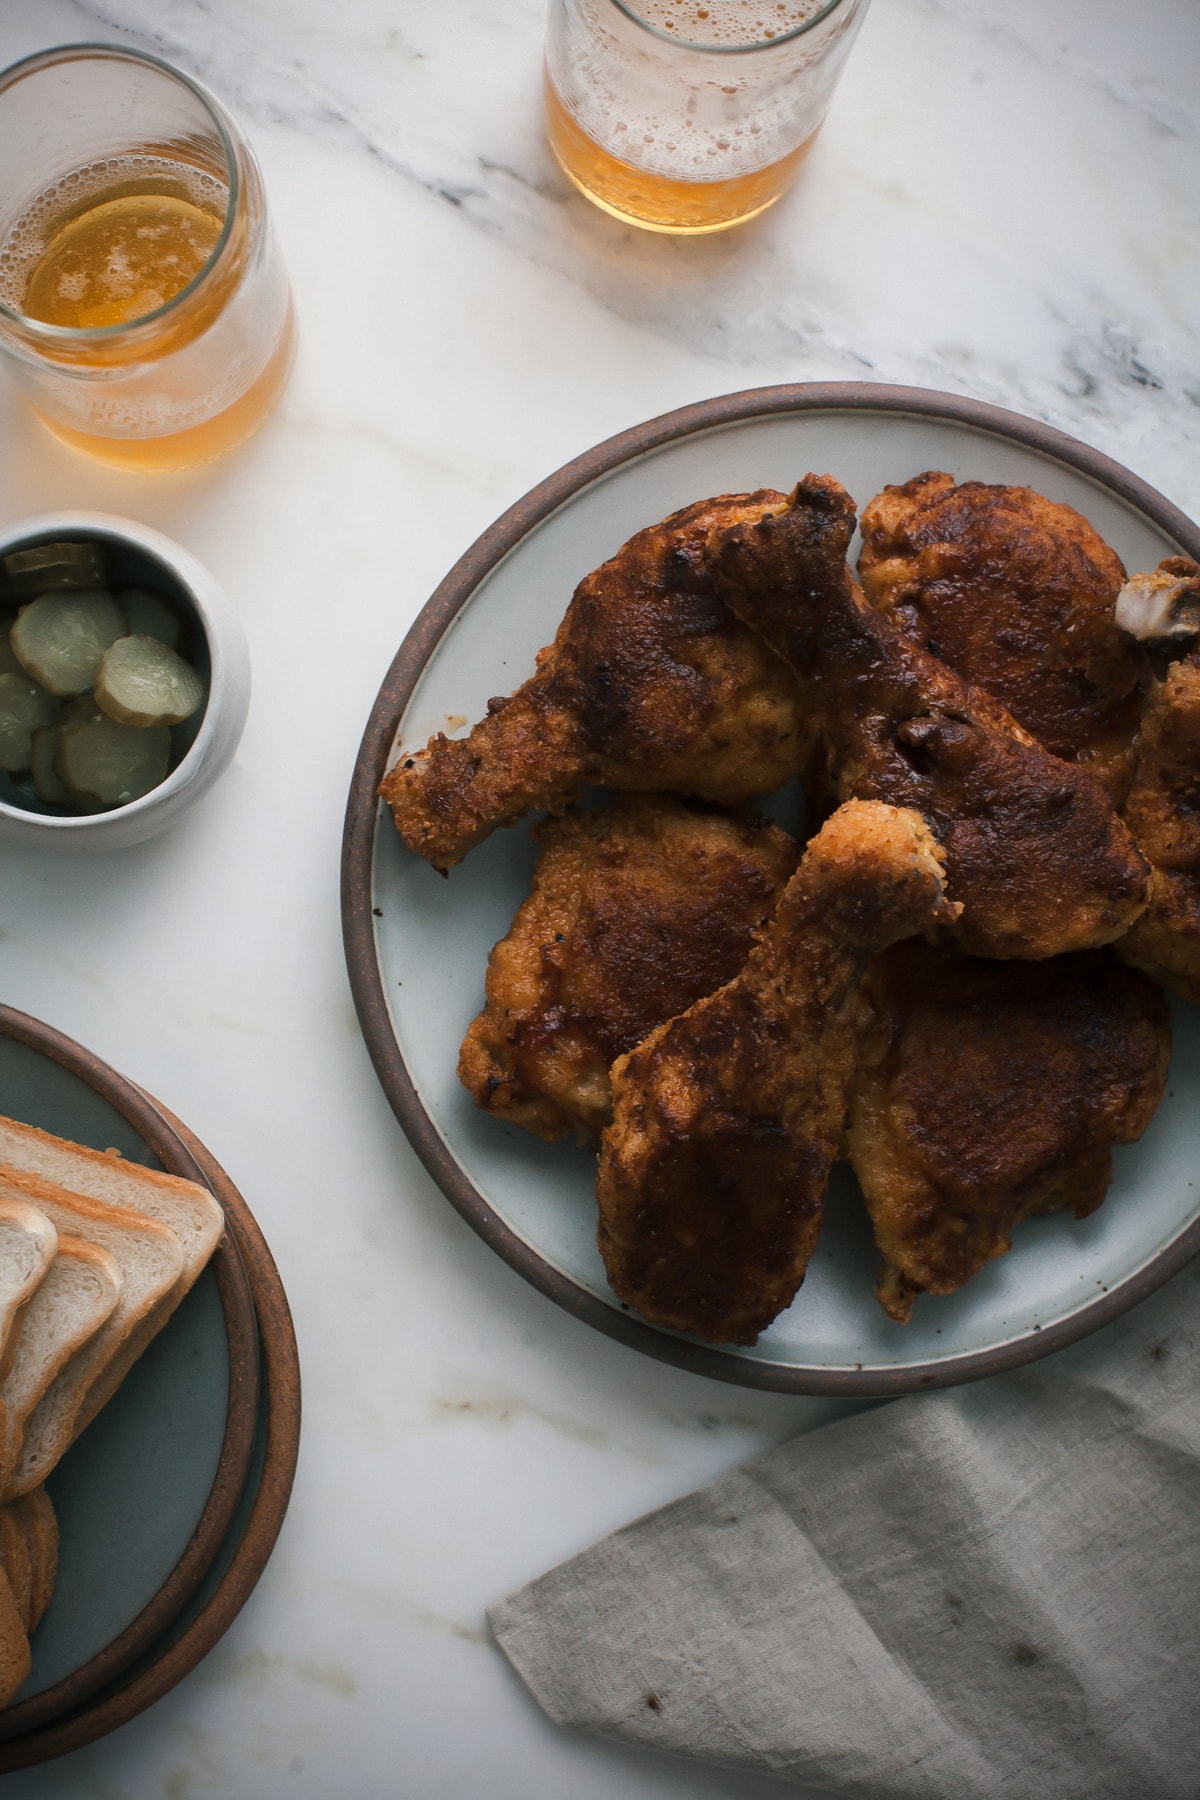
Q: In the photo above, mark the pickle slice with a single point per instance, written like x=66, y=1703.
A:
x=117, y=763
x=149, y=615
x=60, y=638
x=143, y=682
x=47, y=786
x=47, y=783
x=24, y=709
x=46, y=568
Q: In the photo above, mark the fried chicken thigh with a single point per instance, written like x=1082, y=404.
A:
x=650, y=683
x=726, y=1120
x=987, y=1092
x=1016, y=593
x=1034, y=848
x=636, y=910
x=1163, y=813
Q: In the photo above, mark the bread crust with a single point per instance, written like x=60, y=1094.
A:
x=15, y=1658
x=151, y=1261
x=78, y=1295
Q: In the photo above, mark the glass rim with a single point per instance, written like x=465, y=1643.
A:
x=226, y=132
x=785, y=37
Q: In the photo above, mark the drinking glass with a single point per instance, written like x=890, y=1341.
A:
x=691, y=115
x=144, y=307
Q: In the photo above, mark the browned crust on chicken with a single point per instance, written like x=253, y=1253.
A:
x=989, y=1092
x=1163, y=813
x=1016, y=593
x=636, y=910
x=726, y=1120
x=649, y=684
x=1034, y=849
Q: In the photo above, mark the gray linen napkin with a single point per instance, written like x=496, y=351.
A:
x=991, y=1592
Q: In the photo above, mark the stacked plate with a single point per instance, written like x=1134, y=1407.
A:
x=171, y=1501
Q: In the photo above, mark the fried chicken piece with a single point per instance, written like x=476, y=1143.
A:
x=650, y=683
x=726, y=1119
x=1034, y=848
x=989, y=1092
x=1162, y=608
x=1163, y=813
x=636, y=911
x=1016, y=593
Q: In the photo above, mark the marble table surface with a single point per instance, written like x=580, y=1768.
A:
x=1003, y=204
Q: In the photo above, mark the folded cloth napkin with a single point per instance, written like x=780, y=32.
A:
x=991, y=1592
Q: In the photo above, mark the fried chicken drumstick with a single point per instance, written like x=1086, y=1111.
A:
x=1016, y=593
x=726, y=1120
x=1034, y=849
x=988, y=1092
x=1162, y=608
x=650, y=683
x=636, y=910
x=1163, y=813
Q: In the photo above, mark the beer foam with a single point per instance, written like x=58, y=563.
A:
x=726, y=23
x=736, y=121
x=28, y=240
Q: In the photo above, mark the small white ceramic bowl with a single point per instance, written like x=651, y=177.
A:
x=140, y=557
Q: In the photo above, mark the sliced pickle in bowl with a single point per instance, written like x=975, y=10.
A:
x=77, y=739
x=24, y=708
x=114, y=762
x=143, y=682
x=51, y=568
x=47, y=784
x=60, y=638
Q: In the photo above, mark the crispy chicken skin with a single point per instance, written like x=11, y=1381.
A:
x=650, y=683
x=1163, y=813
x=636, y=910
x=1016, y=593
x=726, y=1120
x=1034, y=848
x=988, y=1092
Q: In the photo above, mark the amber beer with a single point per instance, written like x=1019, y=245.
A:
x=657, y=201
x=141, y=295
x=689, y=116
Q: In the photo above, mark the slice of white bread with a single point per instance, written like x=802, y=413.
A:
x=17, y=1559
x=29, y=1554
x=15, y=1660
x=77, y=1295
x=151, y=1262
x=189, y=1210
x=41, y=1529
x=28, y=1241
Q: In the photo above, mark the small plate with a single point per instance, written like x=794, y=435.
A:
x=244, y=1552
x=148, y=1495
x=416, y=946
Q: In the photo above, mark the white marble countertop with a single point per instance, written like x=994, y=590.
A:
x=1003, y=204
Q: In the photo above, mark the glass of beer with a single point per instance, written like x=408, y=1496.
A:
x=144, y=307
x=691, y=115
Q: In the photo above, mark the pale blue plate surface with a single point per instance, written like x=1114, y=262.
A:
x=131, y=1492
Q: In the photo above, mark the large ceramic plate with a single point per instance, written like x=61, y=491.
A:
x=417, y=945
x=153, y=1499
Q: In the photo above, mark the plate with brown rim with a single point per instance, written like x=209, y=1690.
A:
x=156, y=1497
x=417, y=946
